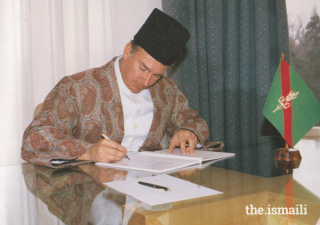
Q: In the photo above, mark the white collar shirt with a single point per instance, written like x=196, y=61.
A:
x=137, y=111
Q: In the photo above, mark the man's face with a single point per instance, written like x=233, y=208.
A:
x=139, y=70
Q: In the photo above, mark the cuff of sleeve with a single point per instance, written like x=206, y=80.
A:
x=80, y=147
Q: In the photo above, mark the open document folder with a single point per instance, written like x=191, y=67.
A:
x=161, y=162
x=179, y=189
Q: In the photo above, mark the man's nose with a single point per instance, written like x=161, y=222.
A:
x=147, y=80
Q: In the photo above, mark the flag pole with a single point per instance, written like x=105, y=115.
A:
x=287, y=146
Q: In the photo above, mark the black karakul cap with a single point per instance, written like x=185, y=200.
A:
x=162, y=37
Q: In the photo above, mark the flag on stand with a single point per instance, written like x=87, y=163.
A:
x=291, y=106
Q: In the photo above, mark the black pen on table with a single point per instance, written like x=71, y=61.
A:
x=154, y=186
x=106, y=137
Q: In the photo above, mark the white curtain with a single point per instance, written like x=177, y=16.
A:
x=42, y=41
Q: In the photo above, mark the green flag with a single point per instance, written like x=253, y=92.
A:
x=291, y=106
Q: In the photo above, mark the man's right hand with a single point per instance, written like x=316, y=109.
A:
x=104, y=151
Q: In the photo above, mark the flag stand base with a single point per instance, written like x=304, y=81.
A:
x=287, y=165
x=288, y=155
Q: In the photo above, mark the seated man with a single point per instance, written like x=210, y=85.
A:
x=129, y=99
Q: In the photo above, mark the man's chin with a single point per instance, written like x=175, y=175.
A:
x=137, y=90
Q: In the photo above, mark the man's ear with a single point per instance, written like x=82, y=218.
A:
x=127, y=50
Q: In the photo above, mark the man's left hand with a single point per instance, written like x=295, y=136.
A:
x=181, y=138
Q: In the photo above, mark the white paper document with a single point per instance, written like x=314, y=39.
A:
x=179, y=189
x=203, y=155
x=161, y=161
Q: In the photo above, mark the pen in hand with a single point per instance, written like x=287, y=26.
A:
x=106, y=137
x=154, y=186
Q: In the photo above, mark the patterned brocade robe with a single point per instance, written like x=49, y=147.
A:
x=83, y=106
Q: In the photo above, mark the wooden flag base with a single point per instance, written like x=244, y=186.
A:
x=284, y=154
x=287, y=165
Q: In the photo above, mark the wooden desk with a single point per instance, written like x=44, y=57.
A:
x=38, y=195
